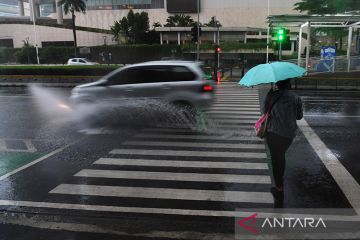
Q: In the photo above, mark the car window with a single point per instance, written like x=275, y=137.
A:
x=180, y=73
x=127, y=76
x=73, y=60
x=82, y=61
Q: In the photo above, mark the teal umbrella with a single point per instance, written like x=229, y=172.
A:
x=271, y=73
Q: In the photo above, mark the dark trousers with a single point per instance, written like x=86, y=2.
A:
x=278, y=146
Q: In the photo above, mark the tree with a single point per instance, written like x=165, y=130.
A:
x=73, y=6
x=116, y=31
x=327, y=6
x=323, y=7
x=179, y=21
x=213, y=23
x=135, y=27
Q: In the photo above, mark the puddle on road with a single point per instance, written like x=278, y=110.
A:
x=105, y=117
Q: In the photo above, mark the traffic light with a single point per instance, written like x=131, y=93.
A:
x=282, y=35
x=194, y=33
x=217, y=49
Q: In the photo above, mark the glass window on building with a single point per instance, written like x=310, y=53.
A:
x=124, y=4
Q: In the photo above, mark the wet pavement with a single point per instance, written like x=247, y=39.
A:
x=154, y=182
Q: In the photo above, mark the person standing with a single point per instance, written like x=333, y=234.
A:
x=286, y=108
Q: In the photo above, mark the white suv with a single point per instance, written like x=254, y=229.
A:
x=177, y=82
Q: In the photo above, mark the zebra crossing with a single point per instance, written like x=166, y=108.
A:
x=179, y=171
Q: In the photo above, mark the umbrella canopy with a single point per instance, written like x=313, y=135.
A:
x=271, y=73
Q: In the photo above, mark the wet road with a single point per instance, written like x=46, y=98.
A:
x=161, y=182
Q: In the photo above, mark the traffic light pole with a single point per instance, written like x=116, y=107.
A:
x=280, y=50
x=198, y=32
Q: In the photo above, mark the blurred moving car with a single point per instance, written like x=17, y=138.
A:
x=80, y=61
x=176, y=82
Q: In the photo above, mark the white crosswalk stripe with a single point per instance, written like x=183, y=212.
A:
x=222, y=162
x=172, y=176
x=188, y=153
x=195, y=144
x=172, y=163
x=164, y=193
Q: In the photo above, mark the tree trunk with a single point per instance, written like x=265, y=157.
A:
x=74, y=33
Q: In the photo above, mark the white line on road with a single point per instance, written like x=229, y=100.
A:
x=29, y=145
x=36, y=161
x=174, y=176
x=174, y=163
x=331, y=115
x=2, y=145
x=223, y=138
x=239, y=108
x=211, y=116
x=233, y=112
x=342, y=177
x=170, y=211
x=238, y=155
x=236, y=105
x=195, y=144
x=235, y=121
x=164, y=193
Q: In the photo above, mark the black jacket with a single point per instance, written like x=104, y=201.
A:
x=284, y=113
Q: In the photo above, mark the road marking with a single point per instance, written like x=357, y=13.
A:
x=2, y=145
x=195, y=144
x=233, y=121
x=236, y=105
x=198, y=137
x=232, y=117
x=235, y=108
x=174, y=176
x=36, y=161
x=164, y=193
x=172, y=163
x=238, y=155
x=330, y=115
x=169, y=211
x=342, y=177
x=29, y=145
x=246, y=129
x=233, y=112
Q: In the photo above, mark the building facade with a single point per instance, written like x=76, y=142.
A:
x=241, y=20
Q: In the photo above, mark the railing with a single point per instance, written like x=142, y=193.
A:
x=338, y=64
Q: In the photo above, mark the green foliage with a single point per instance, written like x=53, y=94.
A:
x=213, y=23
x=225, y=46
x=134, y=53
x=55, y=54
x=7, y=55
x=72, y=6
x=327, y=6
x=179, y=20
x=135, y=27
x=97, y=70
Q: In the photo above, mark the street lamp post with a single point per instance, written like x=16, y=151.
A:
x=104, y=37
x=35, y=36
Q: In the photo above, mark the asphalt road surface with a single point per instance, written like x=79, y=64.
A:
x=61, y=177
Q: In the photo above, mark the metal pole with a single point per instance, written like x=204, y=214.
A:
x=308, y=42
x=280, y=50
x=268, y=33
x=218, y=43
x=35, y=36
x=198, y=31
x=349, y=48
x=300, y=43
